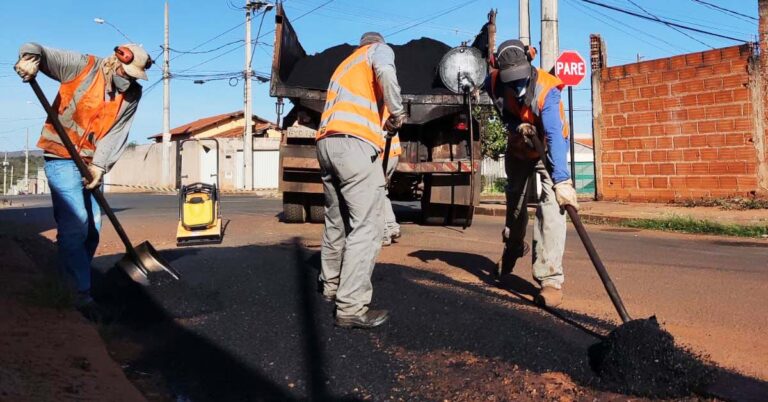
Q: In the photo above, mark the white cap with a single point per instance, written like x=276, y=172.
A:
x=141, y=61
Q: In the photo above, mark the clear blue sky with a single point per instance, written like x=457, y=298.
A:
x=69, y=24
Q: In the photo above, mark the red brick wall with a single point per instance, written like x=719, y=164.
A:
x=677, y=128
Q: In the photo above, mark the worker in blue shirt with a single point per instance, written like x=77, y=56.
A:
x=528, y=100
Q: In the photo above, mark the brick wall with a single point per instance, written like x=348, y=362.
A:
x=678, y=128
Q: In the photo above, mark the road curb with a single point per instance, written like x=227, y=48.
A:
x=585, y=217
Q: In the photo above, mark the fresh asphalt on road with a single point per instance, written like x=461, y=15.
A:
x=247, y=321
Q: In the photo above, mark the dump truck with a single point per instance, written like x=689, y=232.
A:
x=435, y=166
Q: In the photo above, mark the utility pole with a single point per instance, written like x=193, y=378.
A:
x=550, y=47
x=11, y=176
x=26, y=163
x=247, y=111
x=5, y=167
x=166, y=150
x=525, y=22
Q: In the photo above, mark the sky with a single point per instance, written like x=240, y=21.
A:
x=216, y=28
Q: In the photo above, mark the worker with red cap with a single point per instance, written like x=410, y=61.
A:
x=96, y=104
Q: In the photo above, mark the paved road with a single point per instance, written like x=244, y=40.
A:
x=236, y=299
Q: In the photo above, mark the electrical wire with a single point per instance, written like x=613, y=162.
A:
x=725, y=10
x=433, y=17
x=668, y=25
x=256, y=42
x=212, y=39
x=628, y=12
x=586, y=10
x=205, y=51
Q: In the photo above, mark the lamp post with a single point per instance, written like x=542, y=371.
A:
x=102, y=21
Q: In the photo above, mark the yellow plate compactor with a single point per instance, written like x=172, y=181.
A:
x=199, y=208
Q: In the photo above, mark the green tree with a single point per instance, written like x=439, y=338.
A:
x=494, y=134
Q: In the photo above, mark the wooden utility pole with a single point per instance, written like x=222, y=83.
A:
x=26, y=162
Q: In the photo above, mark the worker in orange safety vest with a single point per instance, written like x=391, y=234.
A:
x=363, y=104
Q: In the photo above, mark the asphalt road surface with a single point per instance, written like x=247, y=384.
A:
x=247, y=315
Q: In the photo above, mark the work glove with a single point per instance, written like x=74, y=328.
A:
x=27, y=66
x=566, y=194
x=97, y=174
x=393, y=124
x=526, y=130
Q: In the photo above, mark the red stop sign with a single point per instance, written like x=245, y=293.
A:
x=570, y=67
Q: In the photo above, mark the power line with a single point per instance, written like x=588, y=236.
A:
x=256, y=42
x=724, y=10
x=667, y=24
x=447, y=11
x=299, y=17
x=212, y=39
x=582, y=7
x=625, y=11
x=204, y=51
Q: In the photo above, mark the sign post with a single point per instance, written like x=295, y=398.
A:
x=571, y=68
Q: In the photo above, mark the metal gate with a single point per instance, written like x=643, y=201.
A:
x=266, y=166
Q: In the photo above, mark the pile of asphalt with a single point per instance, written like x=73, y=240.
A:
x=641, y=358
x=416, y=63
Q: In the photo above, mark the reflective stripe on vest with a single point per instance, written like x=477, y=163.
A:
x=545, y=83
x=84, y=113
x=353, y=102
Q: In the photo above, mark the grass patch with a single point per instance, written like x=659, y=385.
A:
x=51, y=292
x=700, y=226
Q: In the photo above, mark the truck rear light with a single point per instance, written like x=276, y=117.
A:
x=461, y=123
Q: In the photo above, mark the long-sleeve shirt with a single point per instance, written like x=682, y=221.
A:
x=557, y=145
x=382, y=58
x=63, y=66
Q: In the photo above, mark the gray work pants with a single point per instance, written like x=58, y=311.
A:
x=390, y=222
x=353, y=183
x=548, y=227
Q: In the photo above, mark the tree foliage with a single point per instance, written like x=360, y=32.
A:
x=494, y=134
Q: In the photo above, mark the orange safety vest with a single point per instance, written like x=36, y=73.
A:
x=354, y=103
x=84, y=113
x=530, y=114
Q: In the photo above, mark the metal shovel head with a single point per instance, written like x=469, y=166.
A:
x=153, y=262
x=149, y=263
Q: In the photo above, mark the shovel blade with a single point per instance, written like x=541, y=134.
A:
x=153, y=262
x=133, y=270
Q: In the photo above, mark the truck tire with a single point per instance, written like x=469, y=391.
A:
x=294, y=212
x=316, y=213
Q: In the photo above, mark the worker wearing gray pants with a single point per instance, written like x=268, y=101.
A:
x=362, y=108
x=391, y=227
x=529, y=104
x=354, y=186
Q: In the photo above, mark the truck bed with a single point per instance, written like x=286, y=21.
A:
x=296, y=75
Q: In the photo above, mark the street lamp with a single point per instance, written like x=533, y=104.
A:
x=102, y=21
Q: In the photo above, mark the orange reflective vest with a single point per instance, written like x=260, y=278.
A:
x=354, y=102
x=85, y=111
x=530, y=114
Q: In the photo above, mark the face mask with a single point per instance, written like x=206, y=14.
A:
x=520, y=87
x=121, y=83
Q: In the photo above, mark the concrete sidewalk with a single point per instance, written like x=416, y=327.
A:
x=618, y=212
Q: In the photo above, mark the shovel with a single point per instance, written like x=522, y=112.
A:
x=596, y=261
x=137, y=262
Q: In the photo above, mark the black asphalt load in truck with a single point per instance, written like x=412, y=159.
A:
x=435, y=165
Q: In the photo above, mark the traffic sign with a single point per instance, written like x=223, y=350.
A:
x=570, y=67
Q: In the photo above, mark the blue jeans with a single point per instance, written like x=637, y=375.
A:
x=78, y=220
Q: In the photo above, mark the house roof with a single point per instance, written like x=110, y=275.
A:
x=587, y=142
x=212, y=121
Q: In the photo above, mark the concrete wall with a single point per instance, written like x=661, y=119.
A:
x=684, y=127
